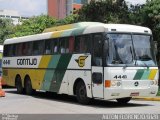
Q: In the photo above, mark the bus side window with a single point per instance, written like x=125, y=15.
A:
x=67, y=45
x=64, y=45
x=8, y=50
x=48, y=44
x=85, y=44
x=54, y=45
x=82, y=44
x=77, y=45
x=97, y=50
x=38, y=47
x=19, y=48
x=5, y=53
x=71, y=44
x=29, y=48
x=24, y=49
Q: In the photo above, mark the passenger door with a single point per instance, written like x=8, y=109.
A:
x=97, y=67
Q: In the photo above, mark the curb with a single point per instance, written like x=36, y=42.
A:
x=147, y=98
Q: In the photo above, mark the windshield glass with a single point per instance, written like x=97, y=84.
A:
x=120, y=49
x=144, y=50
x=131, y=50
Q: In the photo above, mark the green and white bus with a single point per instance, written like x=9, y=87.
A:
x=86, y=59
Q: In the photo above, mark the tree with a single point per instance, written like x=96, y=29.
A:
x=73, y=18
x=6, y=28
x=33, y=25
x=106, y=11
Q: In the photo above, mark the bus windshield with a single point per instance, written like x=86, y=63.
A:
x=131, y=50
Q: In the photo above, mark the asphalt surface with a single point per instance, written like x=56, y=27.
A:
x=49, y=103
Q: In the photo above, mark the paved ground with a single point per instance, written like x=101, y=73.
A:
x=42, y=103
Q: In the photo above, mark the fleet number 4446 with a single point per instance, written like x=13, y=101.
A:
x=120, y=76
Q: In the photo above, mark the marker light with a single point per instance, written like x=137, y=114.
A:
x=107, y=83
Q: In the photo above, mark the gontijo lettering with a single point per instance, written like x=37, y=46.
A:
x=27, y=61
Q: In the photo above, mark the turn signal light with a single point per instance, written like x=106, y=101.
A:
x=107, y=83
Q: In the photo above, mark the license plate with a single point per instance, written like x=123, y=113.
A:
x=134, y=94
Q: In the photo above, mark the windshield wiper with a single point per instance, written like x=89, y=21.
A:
x=131, y=52
x=144, y=58
x=145, y=64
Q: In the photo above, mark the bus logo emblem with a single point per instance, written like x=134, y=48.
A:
x=136, y=84
x=81, y=61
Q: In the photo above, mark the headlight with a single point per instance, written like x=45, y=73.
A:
x=116, y=83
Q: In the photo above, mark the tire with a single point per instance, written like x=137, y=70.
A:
x=18, y=84
x=81, y=93
x=28, y=86
x=124, y=100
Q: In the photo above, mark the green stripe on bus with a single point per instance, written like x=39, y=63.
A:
x=47, y=80
x=60, y=72
x=78, y=31
x=145, y=74
x=50, y=72
x=54, y=61
x=138, y=74
x=67, y=33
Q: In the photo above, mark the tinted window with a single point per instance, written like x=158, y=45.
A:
x=27, y=48
x=48, y=44
x=9, y=50
x=54, y=46
x=97, y=51
x=6, y=50
x=38, y=47
x=82, y=44
x=19, y=48
x=65, y=45
x=71, y=44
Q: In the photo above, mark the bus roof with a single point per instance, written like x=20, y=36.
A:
x=80, y=29
x=71, y=26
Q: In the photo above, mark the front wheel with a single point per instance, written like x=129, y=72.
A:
x=124, y=100
x=81, y=93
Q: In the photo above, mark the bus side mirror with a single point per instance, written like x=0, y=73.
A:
x=97, y=78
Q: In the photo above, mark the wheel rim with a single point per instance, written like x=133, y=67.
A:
x=82, y=92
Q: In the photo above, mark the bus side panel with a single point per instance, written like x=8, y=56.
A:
x=12, y=73
x=79, y=67
x=6, y=77
x=55, y=72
